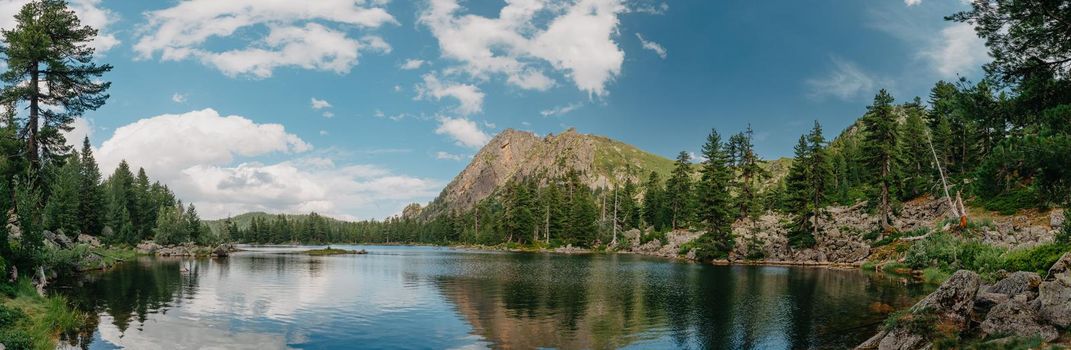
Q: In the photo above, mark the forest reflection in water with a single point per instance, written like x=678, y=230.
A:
x=426, y=297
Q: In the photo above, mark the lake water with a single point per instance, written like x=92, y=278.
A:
x=441, y=298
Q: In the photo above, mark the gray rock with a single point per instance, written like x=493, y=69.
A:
x=1056, y=218
x=147, y=247
x=1016, y=283
x=1054, y=294
x=1016, y=317
x=90, y=240
x=221, y=250
x=953, y=301
x=985, y=301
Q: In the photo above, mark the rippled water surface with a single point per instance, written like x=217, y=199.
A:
x=439, y=298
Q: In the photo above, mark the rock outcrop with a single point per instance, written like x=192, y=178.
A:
x=1021, y=305
x=600, y=161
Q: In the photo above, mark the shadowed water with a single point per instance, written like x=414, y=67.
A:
x=438, y=298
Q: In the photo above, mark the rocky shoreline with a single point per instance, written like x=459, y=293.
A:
x=1021, y=308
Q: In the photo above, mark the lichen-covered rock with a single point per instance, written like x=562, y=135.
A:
x=1056, y=218
x=1016, y=317
x=1054, y=294
x=953, y=301
x=1016, y=283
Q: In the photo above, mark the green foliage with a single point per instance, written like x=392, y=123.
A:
x=50, y=47
x=1036, y=259
x=715, y=203
x=1064, y=236
x=708, y=247
x=881, y=145
x=949, y=253
x=61, y=212
x=680, y=199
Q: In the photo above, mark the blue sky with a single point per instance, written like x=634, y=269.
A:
x=355, y=108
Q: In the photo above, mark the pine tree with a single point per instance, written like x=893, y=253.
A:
x=91, y=210
x=715, y=202
x=749, y=172
x=820, y=174
x=628, y=216
x=50, y=47
x=881, y=143
x=679, y=197
x=654, y=202
x=195, y=230
x=143, y=212
x=799, y=198
x=61, y=211
x=915, y=152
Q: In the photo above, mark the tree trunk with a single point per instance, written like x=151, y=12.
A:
x=32, y=123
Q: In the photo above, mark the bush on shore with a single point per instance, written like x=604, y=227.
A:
x=31, y=321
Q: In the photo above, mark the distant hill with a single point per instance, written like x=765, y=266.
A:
x=244, y=220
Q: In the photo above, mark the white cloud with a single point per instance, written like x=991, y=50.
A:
x=89, y=12
x=653, y=46
x=651, y=9
x=958, y=50
x=298, y=34
x=80, y=129
x=412, y=64
x=448, y=156
x=469, y=97
x=328, y=114
x=178, y=98
x=846, y=81
x=205, y=158
x=319, y=104
x=577, y=40
x=323, y=132
x=559, y=110
x=465, y=132
x=912, y=2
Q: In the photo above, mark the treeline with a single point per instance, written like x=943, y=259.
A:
x=46, y=185
x=1003, y=143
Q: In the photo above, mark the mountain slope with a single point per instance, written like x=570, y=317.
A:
x=513, y=154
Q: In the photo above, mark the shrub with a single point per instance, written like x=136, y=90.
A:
x=16, y=339
x=1037, y=259
x=948, y=253
x=707, y=247
x=1064, y=236
x=9, y=316
x=934, y=275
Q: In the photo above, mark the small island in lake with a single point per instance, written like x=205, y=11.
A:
x=332, y=251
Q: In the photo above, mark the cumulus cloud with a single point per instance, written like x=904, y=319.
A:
x=305, y=35
x=412, y=64
x=846, y=81
x=89, y=12
x=958, y=50
x=912, y=2
x=574, y=38
x=319, y=104
x=80, y=129
x=469, y=97
x=559, y=110
x=652, y=46
x=207, y=159
x=465, y=132
x=178, y=98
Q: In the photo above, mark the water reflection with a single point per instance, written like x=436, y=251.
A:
x=405, y=297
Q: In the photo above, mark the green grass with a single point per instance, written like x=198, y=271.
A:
x=934, y=275
x=78, y=258
x=1037, y=259
x=30, y=321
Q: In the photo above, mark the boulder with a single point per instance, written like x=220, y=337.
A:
x=221, y=251
x=1056, y=218
x=147, y=247
x=1054, y=294
x=63, y=240
x=985, y=301
x=1016, y=317
x=87, y=239
x=951, y=304
x=953, y=301
x=1016, y=283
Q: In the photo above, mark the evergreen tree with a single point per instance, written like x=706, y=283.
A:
x=654, y=202
x=881, y=143
x=819, y=174
x=195, y=229
x=143, y=211
x=915, y=149
x=50, y=47
x=715, y=202
x=91, y=205
x=799, y=197
x=61, y=212
x=679, y=197
x=628, y=216
x=749, y=172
